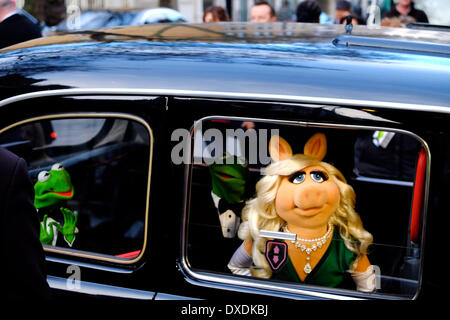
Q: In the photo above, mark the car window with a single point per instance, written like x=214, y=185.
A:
x=68, y=132
x=91, y=180
x=237, y=192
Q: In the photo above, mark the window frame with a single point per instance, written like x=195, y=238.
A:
x=93, y=256
x=286, y=290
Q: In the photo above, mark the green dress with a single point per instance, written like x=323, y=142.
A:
x=330, y=271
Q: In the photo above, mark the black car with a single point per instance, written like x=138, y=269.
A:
x=129, y=113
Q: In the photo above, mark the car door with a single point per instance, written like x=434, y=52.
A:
x=97, y=234
x=387, y=165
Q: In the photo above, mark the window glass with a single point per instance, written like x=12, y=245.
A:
x=72, y=132
x=91, y=182
x=328, y=206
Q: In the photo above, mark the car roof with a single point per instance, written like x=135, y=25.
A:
x=243, y=60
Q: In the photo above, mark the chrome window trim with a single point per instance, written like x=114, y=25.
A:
x=93, y=288
x=211, y=279
x=385, y=181
x=89, y=265
x=167, y=296
x=234, y=283
x=89, y=254
x=228, y=95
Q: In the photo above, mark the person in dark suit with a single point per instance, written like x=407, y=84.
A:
x=14, y=27
x=22, y=263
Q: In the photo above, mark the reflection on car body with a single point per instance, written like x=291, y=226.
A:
x=152, y=225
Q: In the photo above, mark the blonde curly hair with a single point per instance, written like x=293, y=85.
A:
x=260, y=212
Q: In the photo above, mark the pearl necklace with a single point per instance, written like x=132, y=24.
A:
x=318, y=243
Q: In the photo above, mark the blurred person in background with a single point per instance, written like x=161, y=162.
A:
x=308, y=11
x=406, y=8
x=343, y=9
x=397, y=22
x=14, y=27
x=286, y=13
x=262, y=11
x=215, y=14
x=55, y=12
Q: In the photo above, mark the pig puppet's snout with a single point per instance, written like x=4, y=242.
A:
x=307, y=197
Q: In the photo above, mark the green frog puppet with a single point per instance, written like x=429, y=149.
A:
x=228, y=177
x=51, y=190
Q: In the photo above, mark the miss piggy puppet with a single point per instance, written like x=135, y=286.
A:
x=310, y=200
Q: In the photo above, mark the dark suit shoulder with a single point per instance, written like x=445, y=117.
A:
x=18, y=18
x=8, y=162
x=8, y=165
x=24, y=259
x=16, y=29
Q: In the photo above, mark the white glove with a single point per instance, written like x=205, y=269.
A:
x=365, y=281
x=240, y=262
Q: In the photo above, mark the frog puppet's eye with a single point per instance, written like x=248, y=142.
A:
x=43, y=176
x=57, y=166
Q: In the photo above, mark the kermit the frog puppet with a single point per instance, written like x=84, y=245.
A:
x=51, y=190
x=228, y=177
